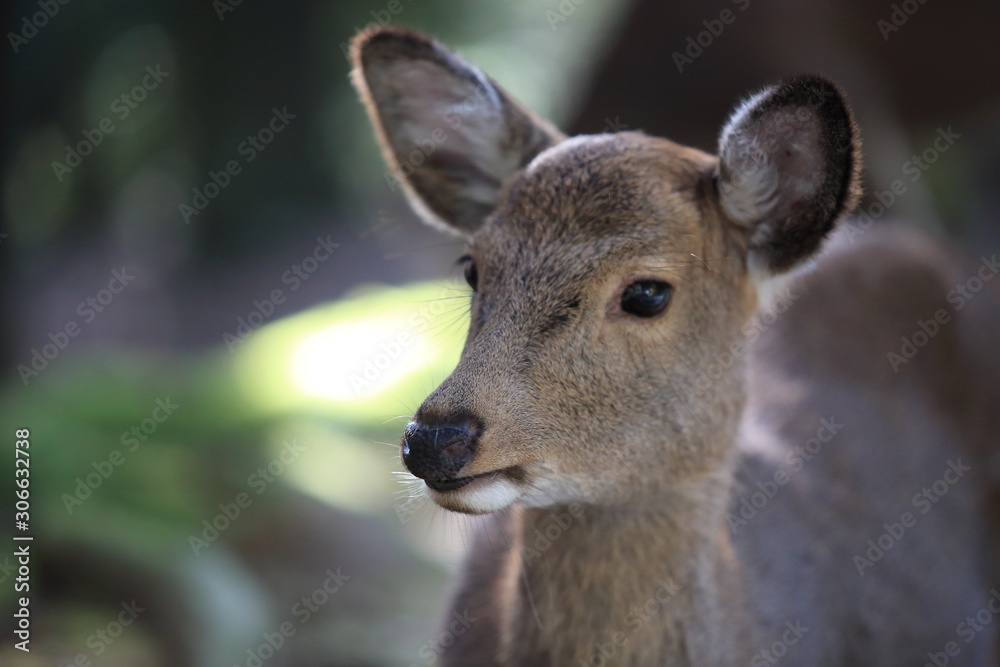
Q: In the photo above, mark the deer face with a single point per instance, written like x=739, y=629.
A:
x=606, y=271
x=600, y=284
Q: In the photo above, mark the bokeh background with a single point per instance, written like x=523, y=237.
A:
x=214, y=393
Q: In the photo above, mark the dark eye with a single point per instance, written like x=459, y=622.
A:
x=646, y=298
x=471, y=275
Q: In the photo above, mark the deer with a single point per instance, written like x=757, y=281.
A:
x=676, y=411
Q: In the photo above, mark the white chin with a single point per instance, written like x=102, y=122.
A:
x=549, y=491
x=481, y=496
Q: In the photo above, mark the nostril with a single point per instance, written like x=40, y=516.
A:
x=457, y=448
x=437, y=452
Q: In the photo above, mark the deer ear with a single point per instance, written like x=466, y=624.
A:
x=790, y=164
x=450, y=135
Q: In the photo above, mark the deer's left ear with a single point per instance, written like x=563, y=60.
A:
x=790, y=163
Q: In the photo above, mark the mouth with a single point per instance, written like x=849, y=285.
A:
x=479, y=494
x=448, y=485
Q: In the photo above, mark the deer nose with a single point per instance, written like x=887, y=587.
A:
x=437, y=452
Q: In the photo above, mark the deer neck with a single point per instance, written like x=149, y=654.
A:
x=650, y=581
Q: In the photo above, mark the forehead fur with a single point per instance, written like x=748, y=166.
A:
x=598, y=187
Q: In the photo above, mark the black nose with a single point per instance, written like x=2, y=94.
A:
x=437, y=452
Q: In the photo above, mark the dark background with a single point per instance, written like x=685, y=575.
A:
x=245, y=394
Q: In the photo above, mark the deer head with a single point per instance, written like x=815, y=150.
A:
x=606, y=270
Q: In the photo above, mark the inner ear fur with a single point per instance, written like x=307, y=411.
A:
x=790, y=163
x=451, y=135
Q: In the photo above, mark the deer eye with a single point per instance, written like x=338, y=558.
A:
x=646, y=298
x=471, y=275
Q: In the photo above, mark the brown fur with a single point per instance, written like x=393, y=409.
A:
x=615, y=469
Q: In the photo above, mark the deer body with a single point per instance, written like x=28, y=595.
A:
x=668, y=482
x=677, y=595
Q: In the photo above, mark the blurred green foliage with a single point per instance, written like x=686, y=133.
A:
x=200, y=431
x=218, y=483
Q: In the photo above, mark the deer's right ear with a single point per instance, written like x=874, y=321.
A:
x=450, y=135
x=790, y=163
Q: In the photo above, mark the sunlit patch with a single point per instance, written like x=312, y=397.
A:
x=359, y=360
x=366, y=356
